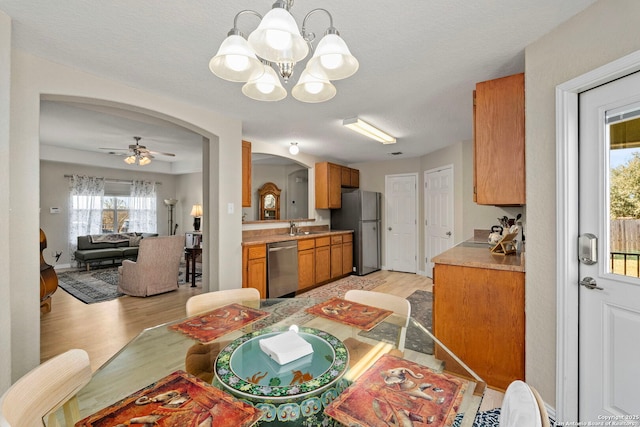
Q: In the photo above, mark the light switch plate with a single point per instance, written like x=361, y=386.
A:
x=230, y=208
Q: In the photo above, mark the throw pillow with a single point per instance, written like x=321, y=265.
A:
x=135, y=241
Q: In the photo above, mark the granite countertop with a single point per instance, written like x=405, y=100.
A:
x=281, y=237
x=478, y=255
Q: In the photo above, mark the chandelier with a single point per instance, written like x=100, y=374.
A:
x=276, y=44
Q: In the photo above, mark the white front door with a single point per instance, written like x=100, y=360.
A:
x=438, y=212
x=609, y=297
x=401, y=227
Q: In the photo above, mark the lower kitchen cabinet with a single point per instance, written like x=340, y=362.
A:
x=255, y=268
x=347, y=253
x=336, y=256
x=323, y=260
x=478, y=313
x=306, y=264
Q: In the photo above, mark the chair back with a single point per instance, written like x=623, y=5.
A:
x=400, y=307
x=45, y=389
x=211, y=300
x=520, y=407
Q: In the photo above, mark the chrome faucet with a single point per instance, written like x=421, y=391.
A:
x=292, y=228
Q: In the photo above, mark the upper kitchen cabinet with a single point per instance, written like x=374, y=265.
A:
x=330, y=178
x=246, y=174
x=498, y=143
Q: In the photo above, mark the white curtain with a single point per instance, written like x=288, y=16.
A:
x=143, y=217
x=85, y=208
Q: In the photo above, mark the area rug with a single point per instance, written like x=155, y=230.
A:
x=421, y=307
x=340, y=287
x=100, y=284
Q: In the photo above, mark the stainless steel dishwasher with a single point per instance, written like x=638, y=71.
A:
x=282, y=268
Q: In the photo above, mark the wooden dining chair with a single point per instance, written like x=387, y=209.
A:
x=400, y=306
x=212, y=300
x=46, y=388
x=200, y=357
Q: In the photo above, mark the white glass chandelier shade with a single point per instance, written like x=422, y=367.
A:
x=235, y=60
x=265, y=86
x=277, y=38
x=333, y=57
x=312, y=88
x=294, y=149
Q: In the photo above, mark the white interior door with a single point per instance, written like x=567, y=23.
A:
x=438, y=211
x=609, y=298
x=401, y=227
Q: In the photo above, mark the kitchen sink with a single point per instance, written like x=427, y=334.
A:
x=306, y=233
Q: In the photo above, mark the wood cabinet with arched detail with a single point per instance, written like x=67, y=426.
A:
x=269, y=195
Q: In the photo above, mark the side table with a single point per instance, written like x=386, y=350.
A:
x=190, y=255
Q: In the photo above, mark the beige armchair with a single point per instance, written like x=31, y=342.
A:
x=156, y=269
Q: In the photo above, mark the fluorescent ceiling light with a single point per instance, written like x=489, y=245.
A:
x=366, y=129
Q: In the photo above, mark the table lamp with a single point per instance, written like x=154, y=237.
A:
x=196, y=213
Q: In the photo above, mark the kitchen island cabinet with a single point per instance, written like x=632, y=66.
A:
x=478, y=311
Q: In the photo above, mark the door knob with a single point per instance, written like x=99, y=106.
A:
x=448, y=233
x=390, y=229
x=590, y=282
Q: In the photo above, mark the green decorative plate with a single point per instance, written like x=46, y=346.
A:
x=246, y=371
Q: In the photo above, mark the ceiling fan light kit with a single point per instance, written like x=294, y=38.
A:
x=366, y=129
x=277, y=44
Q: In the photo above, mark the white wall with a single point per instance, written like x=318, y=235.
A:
x=32, y=79
x=5, y=162
x=602, y=33
x=54, y=192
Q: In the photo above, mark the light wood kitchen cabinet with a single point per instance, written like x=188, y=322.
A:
x=336, y=256
x=499, y=142
x=478, y=313
x=350, y=177
x=254, y=272
x=306, y=264
x=246, y=174
x=328, y=184
x=347, y=253
x=330, y=178
x=323, y=259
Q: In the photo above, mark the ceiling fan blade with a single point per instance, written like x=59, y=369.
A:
x=114, y=149
x=162, y=154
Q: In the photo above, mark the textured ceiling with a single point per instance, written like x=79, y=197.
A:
x=419, y=62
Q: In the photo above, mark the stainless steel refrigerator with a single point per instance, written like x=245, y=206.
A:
x=360, y=212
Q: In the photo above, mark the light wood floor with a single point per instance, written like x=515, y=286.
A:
x=104, y=328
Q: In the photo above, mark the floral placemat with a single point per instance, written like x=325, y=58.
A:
x=350, y=313
x=395, y=391
x=211, y=325
x=178, y=399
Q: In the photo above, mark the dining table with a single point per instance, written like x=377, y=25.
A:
x=319, y=370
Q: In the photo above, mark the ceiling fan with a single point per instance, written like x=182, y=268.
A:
x=136, y=153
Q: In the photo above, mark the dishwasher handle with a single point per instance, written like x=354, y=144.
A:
x=281, y=248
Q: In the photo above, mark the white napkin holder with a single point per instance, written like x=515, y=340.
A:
x=285, y=347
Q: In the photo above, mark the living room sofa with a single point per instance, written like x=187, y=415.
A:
x=108, y=247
